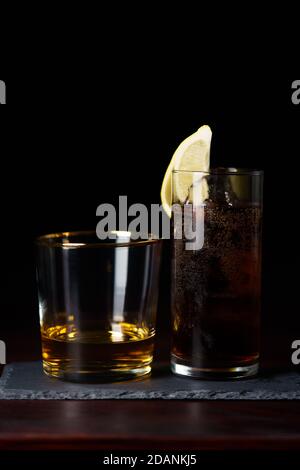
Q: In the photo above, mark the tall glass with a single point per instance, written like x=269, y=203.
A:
x=97, y=303
x=216, y=272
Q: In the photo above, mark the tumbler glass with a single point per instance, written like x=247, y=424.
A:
x=97, y=305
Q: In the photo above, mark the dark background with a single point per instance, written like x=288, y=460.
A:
x=70, y=142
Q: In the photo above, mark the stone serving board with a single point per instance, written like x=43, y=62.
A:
x=26, y=380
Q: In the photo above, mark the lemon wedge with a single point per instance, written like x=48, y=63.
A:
x=193, y=154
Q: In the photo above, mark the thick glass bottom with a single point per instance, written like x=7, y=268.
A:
x=179, y=367
x=94, y=374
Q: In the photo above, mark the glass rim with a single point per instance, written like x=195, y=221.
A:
x=55, y=240
x=225, y=171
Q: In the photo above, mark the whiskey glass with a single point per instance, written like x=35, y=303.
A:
x=97, y=305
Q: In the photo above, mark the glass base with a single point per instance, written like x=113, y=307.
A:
x=219, y=373
x=95, y=375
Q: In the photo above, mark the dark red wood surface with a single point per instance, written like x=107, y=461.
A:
x=107, y=425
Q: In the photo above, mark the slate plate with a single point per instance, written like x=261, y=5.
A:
x=26, y=380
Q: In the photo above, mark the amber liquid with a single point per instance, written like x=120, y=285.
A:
x=216, y=293
x=123, y=351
